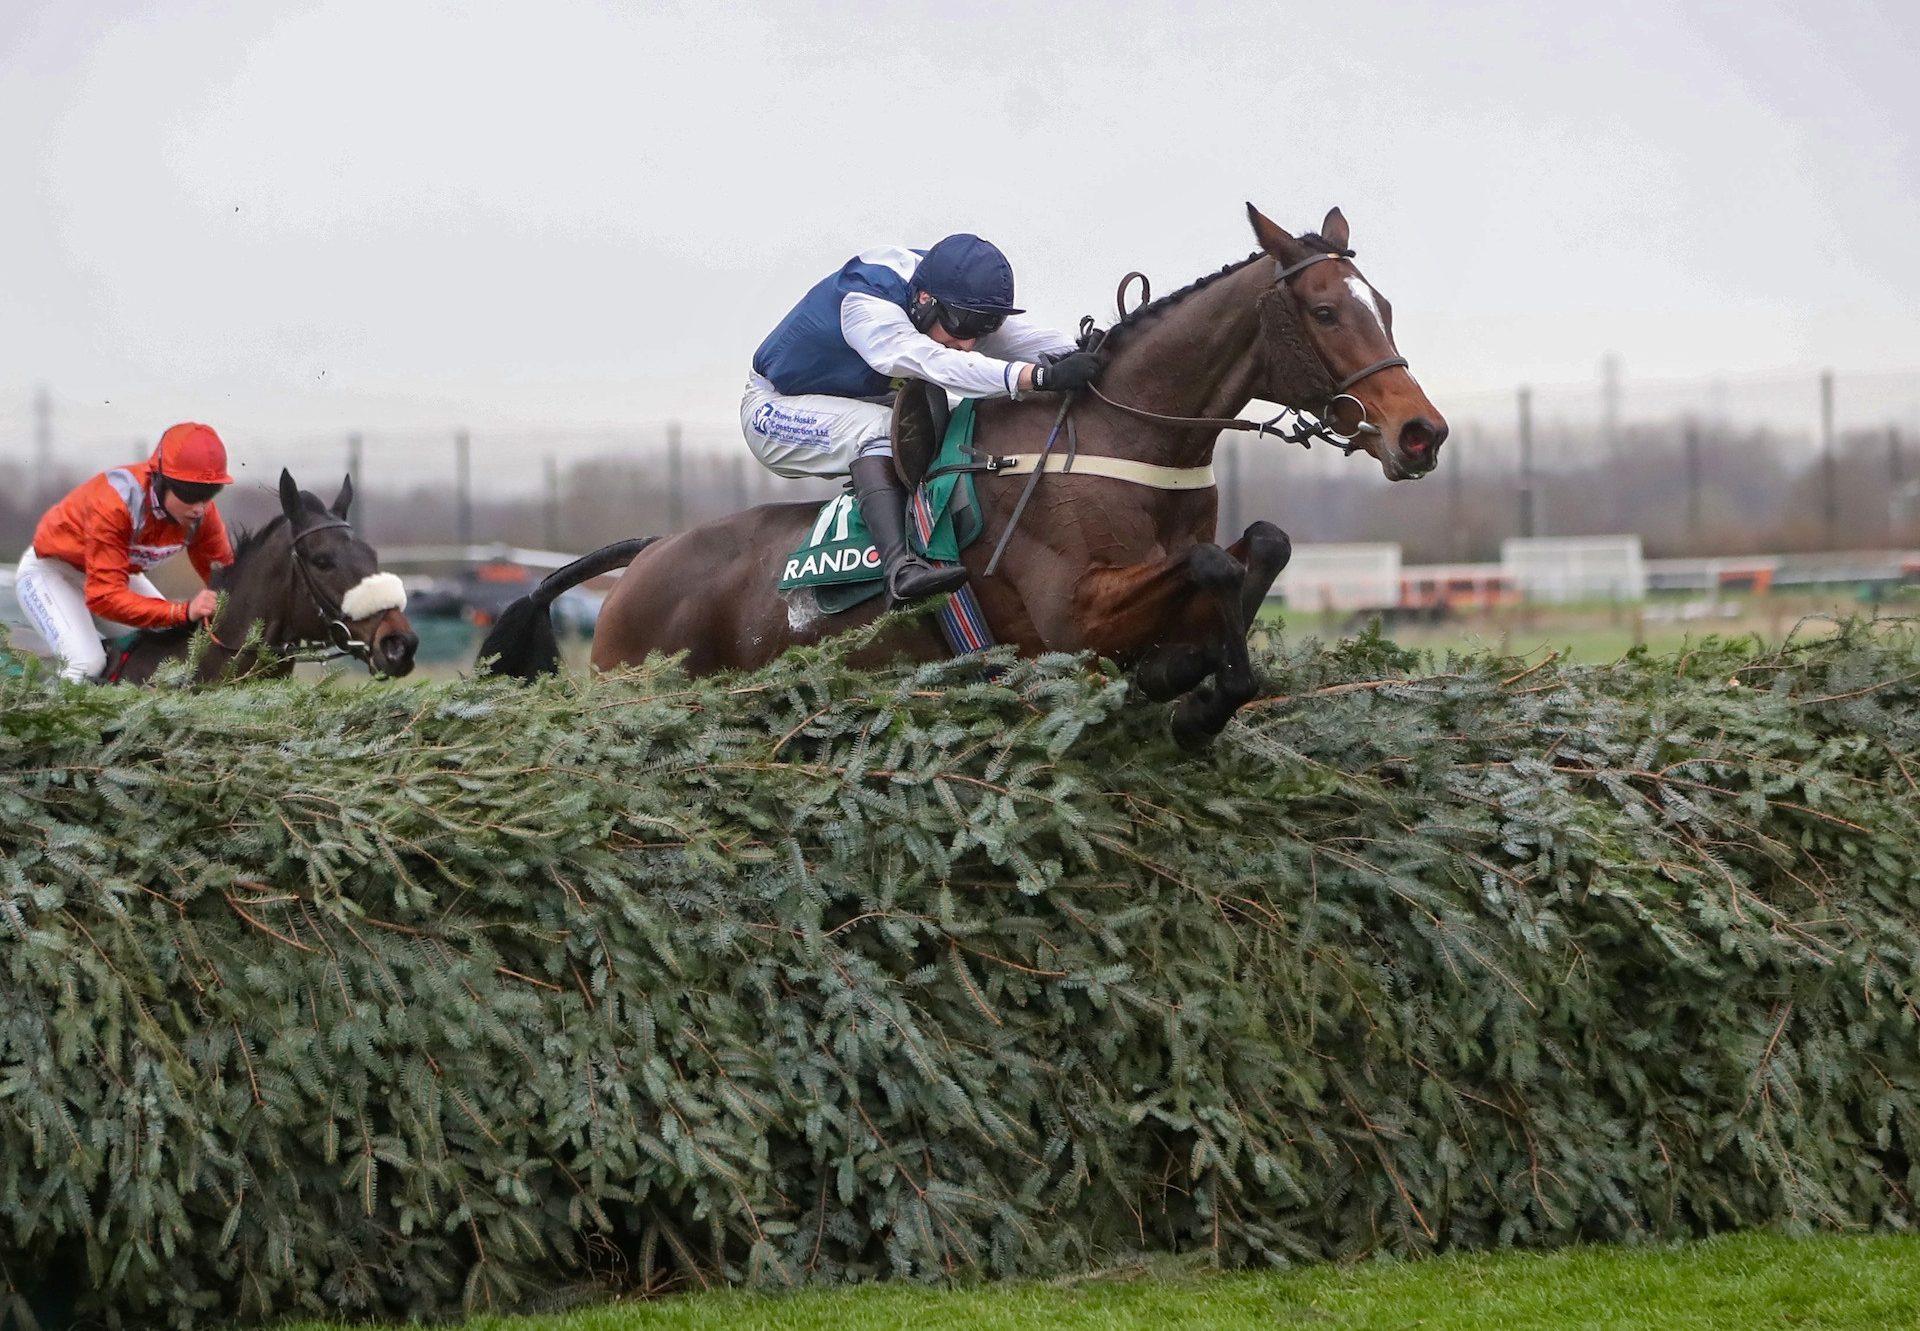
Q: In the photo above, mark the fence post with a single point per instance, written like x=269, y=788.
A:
x=1690, y=437
x=1454, y=523
x=462, y=491
x=43, y=447
x=1527, y=509
x=354, y=459
x=1830, y=482
x=1610, y=434
x=1229, y=527
x=551, y=526
x=675, y=506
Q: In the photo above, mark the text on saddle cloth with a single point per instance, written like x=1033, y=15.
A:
x=839, y=551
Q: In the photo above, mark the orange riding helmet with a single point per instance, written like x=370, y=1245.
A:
x=193, y=455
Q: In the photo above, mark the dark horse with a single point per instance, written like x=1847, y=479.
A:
x=1124, y=566
x=308, y=584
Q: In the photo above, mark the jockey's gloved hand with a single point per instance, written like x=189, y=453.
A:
x=1068, y=373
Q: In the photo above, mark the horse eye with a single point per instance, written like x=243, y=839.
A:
x=1325, y=313
x=323, y=561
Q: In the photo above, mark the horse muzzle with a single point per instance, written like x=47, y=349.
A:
x=1415, y=450
x=392, y=646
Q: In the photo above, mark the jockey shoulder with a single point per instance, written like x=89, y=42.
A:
x=129, y=518
x=945, y=315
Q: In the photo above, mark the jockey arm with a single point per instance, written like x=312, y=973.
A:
x=1023, y=339
x=886, y=339
x=108, y=568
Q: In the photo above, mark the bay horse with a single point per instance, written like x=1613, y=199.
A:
x=308, y=584
x=1110, y=563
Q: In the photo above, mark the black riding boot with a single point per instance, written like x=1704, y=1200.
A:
x=883, y=506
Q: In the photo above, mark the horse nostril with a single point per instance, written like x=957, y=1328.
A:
x=399, y=647
x=1420, y=438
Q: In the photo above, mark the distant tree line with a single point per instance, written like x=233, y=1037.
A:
x=1688, y=489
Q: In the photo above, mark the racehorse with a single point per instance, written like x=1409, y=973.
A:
x=309, y=584
x=1112, y=556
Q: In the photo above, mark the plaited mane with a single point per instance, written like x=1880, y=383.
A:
x=1118, y=331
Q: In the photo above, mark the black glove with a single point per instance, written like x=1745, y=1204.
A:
x=1068, y=373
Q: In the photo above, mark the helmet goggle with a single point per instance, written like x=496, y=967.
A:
x=964, y=323
x=192, y=492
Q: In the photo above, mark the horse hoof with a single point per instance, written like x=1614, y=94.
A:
x=1193, y=729
x=1268, y=547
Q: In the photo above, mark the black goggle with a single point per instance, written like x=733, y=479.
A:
x=964, y=323
x=193, y=492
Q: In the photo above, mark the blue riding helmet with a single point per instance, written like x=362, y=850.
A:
x=966, y=275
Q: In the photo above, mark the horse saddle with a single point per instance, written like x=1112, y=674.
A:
x=920, y=419
x=838, y=561
x=119, y=649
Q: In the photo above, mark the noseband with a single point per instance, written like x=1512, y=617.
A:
x=1309, y=425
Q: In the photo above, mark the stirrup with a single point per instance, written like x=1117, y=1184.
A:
x=914, y=579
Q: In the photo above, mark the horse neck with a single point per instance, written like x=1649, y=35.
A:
x=1198, y=357
x=255, y=595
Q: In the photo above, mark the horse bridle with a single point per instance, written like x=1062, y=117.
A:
x=1309, y=424
x=340, y=640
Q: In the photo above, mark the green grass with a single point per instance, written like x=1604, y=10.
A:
x=1599, y=632
x=1743, y=1281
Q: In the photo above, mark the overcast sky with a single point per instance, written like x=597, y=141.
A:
x=339, y=214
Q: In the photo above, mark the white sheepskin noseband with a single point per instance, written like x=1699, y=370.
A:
x=373, y=596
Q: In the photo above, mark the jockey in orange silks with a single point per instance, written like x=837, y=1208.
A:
x=84, y=576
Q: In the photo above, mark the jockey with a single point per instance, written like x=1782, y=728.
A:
x=84, y=576
x=817, y=402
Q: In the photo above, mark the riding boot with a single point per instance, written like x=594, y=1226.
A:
x=883, y=506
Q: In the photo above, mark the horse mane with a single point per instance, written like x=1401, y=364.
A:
x=1127, y=323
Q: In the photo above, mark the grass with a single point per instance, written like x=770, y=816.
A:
x=1597, y=633
x=1739, y=1281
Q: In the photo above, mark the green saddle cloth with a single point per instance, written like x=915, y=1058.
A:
x=838, y=560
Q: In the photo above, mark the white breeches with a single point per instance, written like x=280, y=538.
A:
x=811, y=434
x=53, y=594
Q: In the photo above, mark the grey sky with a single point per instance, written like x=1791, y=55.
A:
x=380, y=214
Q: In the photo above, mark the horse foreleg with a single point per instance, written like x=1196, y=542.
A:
x=1218, y=692
x=1265, y=550
x=1177, y=641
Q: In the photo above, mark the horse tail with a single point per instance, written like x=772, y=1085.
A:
x=521, y=644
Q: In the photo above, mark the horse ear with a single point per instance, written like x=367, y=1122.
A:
x=344, y=500
x=1274, y=240
x=290, y=500
x=1334, y=229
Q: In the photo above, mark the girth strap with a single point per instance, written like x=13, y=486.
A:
x=1086, y=464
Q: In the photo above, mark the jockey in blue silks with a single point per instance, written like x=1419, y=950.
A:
x=818, y=400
